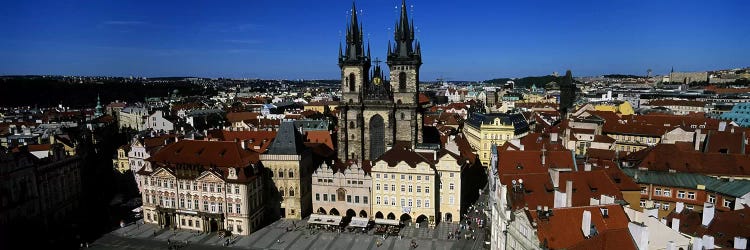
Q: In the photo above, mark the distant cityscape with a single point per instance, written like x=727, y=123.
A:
x=377, y=159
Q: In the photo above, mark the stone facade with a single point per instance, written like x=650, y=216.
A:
x=342, y=189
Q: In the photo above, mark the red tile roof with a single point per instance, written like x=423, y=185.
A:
x=690, y=161
x=205, y=153
x=241, y=116
x=724, y=227
x=321, y=136
x=258, y=141
x=563, y=229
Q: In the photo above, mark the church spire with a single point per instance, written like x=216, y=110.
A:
x=403, y=49
x=354, y=52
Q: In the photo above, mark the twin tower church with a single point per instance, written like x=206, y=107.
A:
x=376, y=112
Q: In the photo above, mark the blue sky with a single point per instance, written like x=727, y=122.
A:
x=461, y=40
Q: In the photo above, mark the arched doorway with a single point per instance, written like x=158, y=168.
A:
x=350, y=213
x=363, y=214
x=377, y=137
x=421, y=218
x=378, y=215
x=334, y=212
x=391, y=216
x=405, y=217
x=321, y=210
x=448, y=217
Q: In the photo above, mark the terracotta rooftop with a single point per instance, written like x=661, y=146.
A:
x=562, y=230
x=724, y=226
x=255, y=140
x=241, y=116
x=690, y=161
x=205, y=153
x=320, y=136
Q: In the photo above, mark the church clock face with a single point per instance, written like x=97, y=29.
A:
x=376, y=80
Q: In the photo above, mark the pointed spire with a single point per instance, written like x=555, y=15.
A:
x=340, y=53
x=368, y=49
x=389, y=47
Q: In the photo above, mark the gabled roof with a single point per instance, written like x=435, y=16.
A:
x=690, y=161
x=241, y=116
x=288, y=141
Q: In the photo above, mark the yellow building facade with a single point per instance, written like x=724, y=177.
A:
x=484, y=130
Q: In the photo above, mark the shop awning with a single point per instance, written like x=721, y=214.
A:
x=387, y=222
x=324, y=219
x=359, y=222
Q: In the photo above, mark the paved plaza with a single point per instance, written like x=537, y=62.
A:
x=276, y=236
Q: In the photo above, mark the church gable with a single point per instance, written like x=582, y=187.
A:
x=209, y=176
x=163, y=173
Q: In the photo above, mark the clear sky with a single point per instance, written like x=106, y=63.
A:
x=293, y=39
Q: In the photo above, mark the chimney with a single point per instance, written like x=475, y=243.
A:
x=708, y=214
x=708, y=242
x=640, y=234
x=544, y=155
x=671, y=245
x=559, y=199
x=676, y=224
x=555, y=175
x=569, y=193
x=586, y=223
x=697, y=140
x=697, y=243
x=587, y=166
x=679, y=206
x=243, y=144
x=722, y=126
x=740, y=243
x=553, y=137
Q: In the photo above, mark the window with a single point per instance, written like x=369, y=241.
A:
x=427, y=178
x=419, y=189
x=364, y=199
x=349, y=198
x=643, y=203
x=393, y=187
x=427, y=190
x=393, y=201
x=681, y=194
x=410, y=203
x=333, y=197
x=182, y=203
x=665, y=206
x=377, y=186
x=325, y=197
x=291, y=174
x=427, y=203
x=197, y=223
x=190, y=223
x=190, y=204
x=218, y=188
x=728, y=203
x=291, y=192
x=451, y=186
x=236, y=189
x=377, y=200
x=410, y=189
x=691, y=195
x=213, y=207
x=657, y=205
x=205, y=187
x=402, y=81
x=356, y=199
x=377, y=176
x=668, y=192
x=229, y=207
x=195, y=186
x=195, y=204
x=403, y=177
x=180, y=182
x=205, y=205
x=211, y=187
x=451, y=175
x=451, y=199
x=221, y=208
x=393, y=176
x=385, y=187
x=403, y=202
x=644, y=190
x=409, y=177
x=657, y=191
x=419, y=203
x=281, y=174
x=238, y=210
x=419, y=177
x=317, y=197
x=403, y=188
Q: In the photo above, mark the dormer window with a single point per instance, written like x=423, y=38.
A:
x=232, y=173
